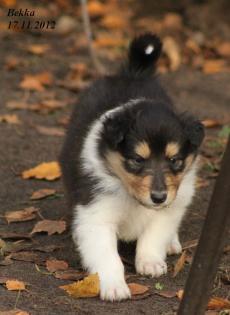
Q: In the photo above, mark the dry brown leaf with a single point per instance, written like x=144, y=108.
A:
x=14, y=312
x=88, y=287
x=224, y=49
x=55, y=265
x=215, y=303
x=14, y=235
x=26, y=214
x=172, y=50
x=50, y=131
x=166, y=294
x=214, y=66
x=201, y=183
x=38, y=49
x=15, y=285
x=36, y=82
x=211, y=123
x=114, y=21
x=179, y=264
x=28, y=257
x=137, y=289
x=42, y=193
x=10, y=119
x=8, y=3
x=48, y=171
x=50, y=226
x=69, y=274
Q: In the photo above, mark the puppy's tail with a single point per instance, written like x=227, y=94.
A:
x=144, y=51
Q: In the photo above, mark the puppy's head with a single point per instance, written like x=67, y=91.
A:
x=150, y=149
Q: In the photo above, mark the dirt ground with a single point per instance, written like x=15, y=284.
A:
x=23, y=147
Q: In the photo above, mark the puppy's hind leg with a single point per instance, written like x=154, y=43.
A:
x=95, y=235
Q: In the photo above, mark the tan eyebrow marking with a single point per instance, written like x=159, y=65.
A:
x=172, y=148
x=143, y=149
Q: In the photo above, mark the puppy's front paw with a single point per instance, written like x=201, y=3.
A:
x=154, y=266
x=174, y=247
x=114, y=290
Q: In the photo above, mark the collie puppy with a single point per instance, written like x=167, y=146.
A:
x=129, y=165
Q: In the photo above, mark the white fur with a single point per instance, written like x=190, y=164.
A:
x=114, y=214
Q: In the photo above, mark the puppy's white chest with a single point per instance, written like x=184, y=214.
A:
x=134, y=221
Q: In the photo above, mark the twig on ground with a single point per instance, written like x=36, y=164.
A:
x=87, y=28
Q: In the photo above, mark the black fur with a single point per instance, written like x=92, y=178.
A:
x=153, y=119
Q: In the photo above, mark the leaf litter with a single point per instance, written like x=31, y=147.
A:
x=47, y=170
x=26, y=214
x=49, y=226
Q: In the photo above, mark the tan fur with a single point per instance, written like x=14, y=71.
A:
x=173, y=181
x=171, y=149
x=143, y=149
x=137, y=186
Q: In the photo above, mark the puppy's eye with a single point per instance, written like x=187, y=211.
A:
x=176, y=163
x=136, y=162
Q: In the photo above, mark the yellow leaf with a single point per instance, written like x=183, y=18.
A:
x=88, y=287
x=38, y=49
x=15, y=285
x=10, y=119
x=48, y=171
x=113, y=21
x=214, y=66
x=96, y=8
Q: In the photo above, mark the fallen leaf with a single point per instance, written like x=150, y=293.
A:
x=49, y=226
x=15, y=285
x=42, y=193
x=49, y=171
x=10, y=119
x=179, y=264
x=190, y=244
x=50, y=131
x=224, y=49
x=36, y=82
x=6, y=262
x=28, y=257
x=167, y=294
x=17, y=105
x=211, y=123
x=215, y=303
x=14, y=235
x=211, y=66
x=12, y=62
x=38, y=49
x=114, y=21
x=88, y=287
x=55, y=265
x=14, y=312
x=26, y=214
x=172, y=50
x=69, y=274
x=96, y=8
x=137, y=289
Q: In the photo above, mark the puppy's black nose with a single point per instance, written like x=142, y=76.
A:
x=158, y=196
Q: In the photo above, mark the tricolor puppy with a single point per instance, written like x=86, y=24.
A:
x=129, y=165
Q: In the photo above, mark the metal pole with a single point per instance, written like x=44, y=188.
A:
x=214, y=232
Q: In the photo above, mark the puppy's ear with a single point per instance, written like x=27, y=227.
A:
x=193, y=130
x=115, y=129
